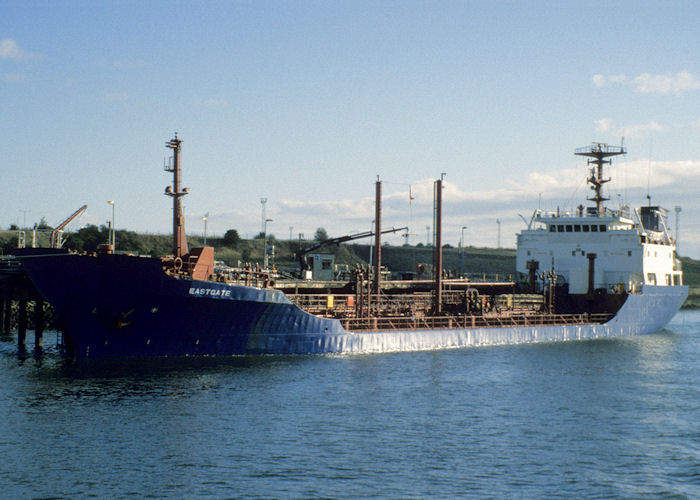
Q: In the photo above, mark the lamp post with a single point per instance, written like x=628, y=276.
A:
x=265, y=243
x=112, y=236
x=461, y=252
x=206, y=216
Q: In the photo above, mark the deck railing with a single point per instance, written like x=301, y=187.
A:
x=458, y=322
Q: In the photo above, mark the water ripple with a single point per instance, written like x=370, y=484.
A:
x=606, y=418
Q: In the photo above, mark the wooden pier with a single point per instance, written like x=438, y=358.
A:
x=21, y=305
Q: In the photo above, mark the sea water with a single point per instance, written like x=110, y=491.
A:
x=611, y=418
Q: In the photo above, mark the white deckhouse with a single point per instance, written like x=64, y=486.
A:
x=599, y=248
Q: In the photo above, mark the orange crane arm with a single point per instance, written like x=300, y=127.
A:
x=59, y=228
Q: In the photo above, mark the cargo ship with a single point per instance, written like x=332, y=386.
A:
x=589, y=274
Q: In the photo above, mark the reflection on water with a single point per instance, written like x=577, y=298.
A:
x=576, y=419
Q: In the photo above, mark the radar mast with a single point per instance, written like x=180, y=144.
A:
x=179, y=238
x=598, y=153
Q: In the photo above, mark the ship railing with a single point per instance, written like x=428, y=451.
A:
x=470, y=322
x=600, y=148
x=324, y=304
x=488, y=278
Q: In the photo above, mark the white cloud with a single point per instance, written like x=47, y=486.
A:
x=683, y=81
x=606, y=125
x=603, y=125
x=647, y=83
x=11, y=77
x=641, y=129
x=602, y=80
x=672, y=182
x=666, y=173
x=10, y=49
x=348, y=210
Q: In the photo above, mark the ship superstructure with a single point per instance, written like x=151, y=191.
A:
x=597, y=248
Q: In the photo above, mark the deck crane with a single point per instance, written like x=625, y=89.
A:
x=338, y=241
x=56, y=238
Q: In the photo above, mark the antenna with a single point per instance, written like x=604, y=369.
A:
x=263, y=201
x=649, y=174
x=678, y=211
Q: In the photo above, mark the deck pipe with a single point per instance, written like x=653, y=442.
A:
x=378, y=242
x=437, y=247
x=591, y=272
x=532, y=267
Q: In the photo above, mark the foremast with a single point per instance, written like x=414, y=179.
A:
x=179, y=237
x=598, y=154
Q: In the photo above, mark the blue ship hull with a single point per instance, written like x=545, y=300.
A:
x=116, y=305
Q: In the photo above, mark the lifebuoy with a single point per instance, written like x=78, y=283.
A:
x=178, y=263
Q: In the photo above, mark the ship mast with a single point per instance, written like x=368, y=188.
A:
x=599, y=153
x=179, y=237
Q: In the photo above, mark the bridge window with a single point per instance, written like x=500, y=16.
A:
x=577, y=228
x=552, y=228
x=603, y=228
x=586, y=228
x=569, y=228
x=560, y=228
x=594, y=228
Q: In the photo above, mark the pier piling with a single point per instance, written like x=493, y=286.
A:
x=38, y=325
x=22, y=324
x=7, y=306
x=2, y=312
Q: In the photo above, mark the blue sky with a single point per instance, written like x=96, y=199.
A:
x=305, y=103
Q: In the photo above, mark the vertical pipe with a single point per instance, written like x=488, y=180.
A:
x=437, y=246
x=591, y=272
x=38, y=325
x=22, y=325
x=378, y=241
x=532, y=266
